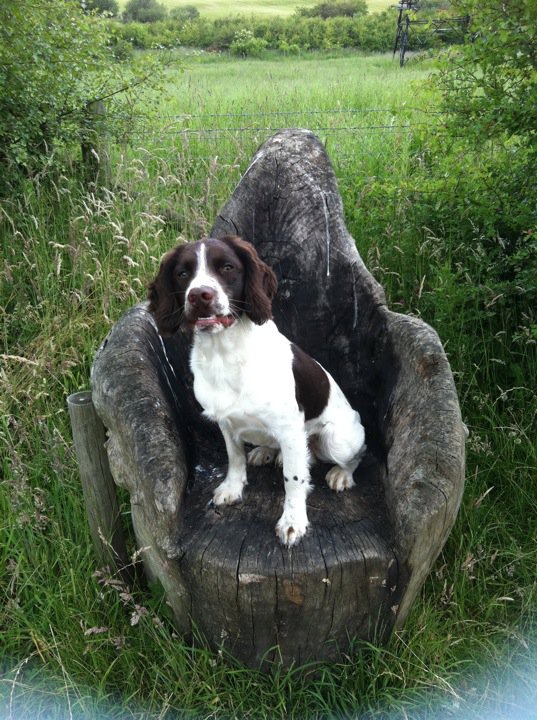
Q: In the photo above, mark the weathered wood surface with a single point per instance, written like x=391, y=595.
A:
x=102, y=508
x=94, y=147
x=361, y=564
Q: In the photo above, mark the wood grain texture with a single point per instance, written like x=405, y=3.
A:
x=100, y=499
x=365, y=557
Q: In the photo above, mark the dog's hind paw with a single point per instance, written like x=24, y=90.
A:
x=339, y=479
x=264, y=456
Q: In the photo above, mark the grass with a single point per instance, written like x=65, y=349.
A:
x=77, y=644
x=283, y=8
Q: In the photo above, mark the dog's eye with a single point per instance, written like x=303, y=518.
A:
x=227, y=267
x=182, y=274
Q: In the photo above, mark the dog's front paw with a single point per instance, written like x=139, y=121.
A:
x=264, y=456
x=291, y=527
x=339, y=479
x=228, y=492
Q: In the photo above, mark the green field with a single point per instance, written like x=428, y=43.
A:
x=220, y=8
x=74, y=644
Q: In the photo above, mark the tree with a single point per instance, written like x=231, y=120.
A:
x=144, y=11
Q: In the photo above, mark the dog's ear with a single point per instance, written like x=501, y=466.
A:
x=260, y=282
x=164, y=300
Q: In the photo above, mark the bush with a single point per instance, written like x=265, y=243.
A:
x=371, y=33
x=144, y=11
x=138, y=34
x=335, y=8
x=184, y=13
x=246, y=45
x=108, y=7
x=470, y=195
x=488, y=88
x=46, y=83
x=376, y=33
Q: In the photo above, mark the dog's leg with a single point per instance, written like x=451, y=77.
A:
x=230, y=490
x=293, y=523
x=345, y=446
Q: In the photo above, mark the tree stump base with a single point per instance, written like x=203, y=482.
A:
x=368, y=550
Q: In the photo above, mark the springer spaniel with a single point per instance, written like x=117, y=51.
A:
x=258, y=386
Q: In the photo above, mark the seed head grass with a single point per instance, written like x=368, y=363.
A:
x=75, y=641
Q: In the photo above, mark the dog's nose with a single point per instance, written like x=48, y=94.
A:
x=201, y=296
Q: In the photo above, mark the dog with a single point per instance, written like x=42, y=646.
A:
x=258, y=386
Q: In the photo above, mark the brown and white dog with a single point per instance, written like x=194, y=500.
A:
x=258, y=386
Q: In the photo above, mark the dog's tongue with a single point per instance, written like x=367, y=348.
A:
x=225, y=320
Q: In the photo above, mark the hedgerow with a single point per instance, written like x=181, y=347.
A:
x=370, y=33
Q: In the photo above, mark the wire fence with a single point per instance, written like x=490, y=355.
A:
x=367, y=138
x=203, y=154
x=332, y=120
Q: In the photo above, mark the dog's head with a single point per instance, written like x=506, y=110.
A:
x=206, y=286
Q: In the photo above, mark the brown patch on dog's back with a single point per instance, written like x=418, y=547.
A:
x=312, y=387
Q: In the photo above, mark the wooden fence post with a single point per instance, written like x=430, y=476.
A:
x=95, y=150
x=102, y=508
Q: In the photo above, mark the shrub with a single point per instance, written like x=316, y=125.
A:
x=335, y=8
x=470, y=190
x=376, y=33
x=109, y=7
x=372, y=33
x=144, y=11
x=138, y=34
x=488, y=88
x=246, y=45
x=45, y=84
x=184, y=13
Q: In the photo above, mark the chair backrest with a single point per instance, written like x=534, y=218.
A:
x=288, y=205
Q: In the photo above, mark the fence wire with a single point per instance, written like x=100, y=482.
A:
x=326, y=121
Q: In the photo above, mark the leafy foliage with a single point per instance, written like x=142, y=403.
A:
x=110, y=7
x=184, y=13
x=246, y=45
x=488, y=90
x=372, y=33
x=54, y=61
x=144, y=11
x=335, y=8
x=49, y=56
x=489, y=85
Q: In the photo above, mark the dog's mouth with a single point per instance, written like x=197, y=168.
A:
x=214, y=321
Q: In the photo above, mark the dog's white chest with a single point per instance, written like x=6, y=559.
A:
x=243, y=372
x=217, y=387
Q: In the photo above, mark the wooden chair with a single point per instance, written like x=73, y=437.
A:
x=368, y=550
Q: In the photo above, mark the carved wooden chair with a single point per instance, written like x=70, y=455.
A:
x=368, y=550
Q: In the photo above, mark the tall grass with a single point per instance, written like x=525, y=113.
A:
x=76, y=643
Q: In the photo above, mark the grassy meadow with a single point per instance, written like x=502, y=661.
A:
x=282, y=8
x=78, y=644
